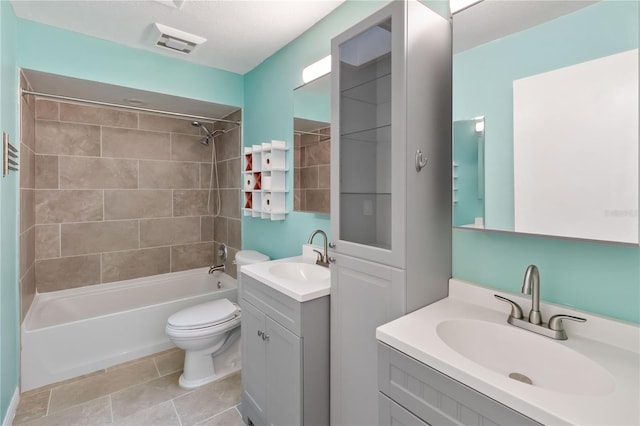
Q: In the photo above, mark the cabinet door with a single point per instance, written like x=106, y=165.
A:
x=368, y=138
x=364, y=295
x=284, y=367
x=254, y=370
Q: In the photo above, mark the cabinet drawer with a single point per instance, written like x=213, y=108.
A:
x=393, y=414
x=276, y=305
x=437, y=398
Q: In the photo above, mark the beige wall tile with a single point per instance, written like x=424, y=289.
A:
x=124, y=265
x=308, y=177
x=168, y=174
x=53, y=206
x=318, y=153
x=234, y=168
x=189, y=148
x=191, y=256
x=205, y=175
x=27, y=291
x=27, y=250
x=318, y=200
x=27, y=125
x=162, y=123
x=67, y=272
x=53, y=137
x=86, y=173
x=220, y=230
x=296, y=178
x=46, y=171
x=324, y=176
x=27, y=209
x=129, y=143
x=164, y=232
x=222, y=181
x=46, y=109
x=134, y=204
x=47, y=241
x=98, y=237
x=97, y=115
x=234, y=229
x=230, y=199
x=298, y=199
x=191, y=202
x=206, y=228
x=27, y=167
x=228, y=145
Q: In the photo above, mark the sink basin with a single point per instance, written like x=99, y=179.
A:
x=526, y=357
x=299, y=271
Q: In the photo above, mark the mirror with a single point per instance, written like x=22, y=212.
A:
x=556, y=86
x=312, y=146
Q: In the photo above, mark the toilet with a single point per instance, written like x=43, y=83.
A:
x=209, y=333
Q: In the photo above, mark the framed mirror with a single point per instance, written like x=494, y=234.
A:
x=312, y=146
x=556, y=86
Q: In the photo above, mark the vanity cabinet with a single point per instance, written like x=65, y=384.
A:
x=390, y=220
x=285, y=357
x=412, y=393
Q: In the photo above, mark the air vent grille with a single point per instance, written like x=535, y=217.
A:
x=177, y=40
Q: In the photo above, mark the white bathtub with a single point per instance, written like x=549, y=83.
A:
x=72, y=332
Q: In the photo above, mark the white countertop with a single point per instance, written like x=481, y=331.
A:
x=614, y=345
x=302, y=291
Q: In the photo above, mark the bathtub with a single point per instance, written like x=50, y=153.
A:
x=72, y=332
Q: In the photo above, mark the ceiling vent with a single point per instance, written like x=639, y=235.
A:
x=176, y=40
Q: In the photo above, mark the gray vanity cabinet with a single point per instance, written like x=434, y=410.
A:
x=285, y=357
x=390, y=219
x=412, y=393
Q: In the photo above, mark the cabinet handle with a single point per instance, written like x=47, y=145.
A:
x=420, y=161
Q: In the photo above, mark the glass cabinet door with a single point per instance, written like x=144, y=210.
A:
x=365, y=137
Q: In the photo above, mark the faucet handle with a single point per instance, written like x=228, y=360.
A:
x=555, y=322
x=516, y=312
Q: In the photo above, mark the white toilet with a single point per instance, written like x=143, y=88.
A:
x=209, y=334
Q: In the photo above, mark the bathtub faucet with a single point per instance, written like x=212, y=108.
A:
x=216, y=268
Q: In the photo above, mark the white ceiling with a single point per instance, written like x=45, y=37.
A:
x=240, y=33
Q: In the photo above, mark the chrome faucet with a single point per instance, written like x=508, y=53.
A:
x=216, y=268
x=531, y=285
x=323, y=258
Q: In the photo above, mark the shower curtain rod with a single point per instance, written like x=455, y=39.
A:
x=156, y=111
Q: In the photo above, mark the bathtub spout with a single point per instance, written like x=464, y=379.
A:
x=216, y=268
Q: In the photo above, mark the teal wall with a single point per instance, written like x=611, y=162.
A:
x=48, y=49
x=268, y=114
x=9, y=304
x=596, y=277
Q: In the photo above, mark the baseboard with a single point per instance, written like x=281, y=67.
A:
x=13, y=407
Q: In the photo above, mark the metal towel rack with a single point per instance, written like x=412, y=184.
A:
x=9, y=156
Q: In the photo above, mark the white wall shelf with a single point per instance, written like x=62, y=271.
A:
x=265, y=180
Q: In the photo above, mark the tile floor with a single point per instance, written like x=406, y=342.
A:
x=141, y=392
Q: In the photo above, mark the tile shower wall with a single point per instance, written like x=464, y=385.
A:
x=27, y=199
x=312, y=158
x=121, y=194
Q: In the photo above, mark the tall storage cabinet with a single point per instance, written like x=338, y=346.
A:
x=390, y=212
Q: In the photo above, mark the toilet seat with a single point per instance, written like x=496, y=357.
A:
x=204, y=315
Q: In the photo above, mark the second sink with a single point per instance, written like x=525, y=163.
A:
x=517, y=353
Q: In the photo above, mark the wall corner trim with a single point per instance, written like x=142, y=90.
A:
x=13, y=407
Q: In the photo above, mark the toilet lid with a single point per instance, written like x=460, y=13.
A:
x=204, y=315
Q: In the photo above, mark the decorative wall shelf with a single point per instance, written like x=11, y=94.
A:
x=264, y=180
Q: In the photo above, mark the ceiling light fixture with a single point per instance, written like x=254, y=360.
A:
x=177, y=40
x=317, y=69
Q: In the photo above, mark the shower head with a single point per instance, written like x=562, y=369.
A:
x=209, y=135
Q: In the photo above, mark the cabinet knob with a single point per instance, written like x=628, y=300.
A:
x=332, y=259
x=265, y=337
x=260, y=334
x=332, y=245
